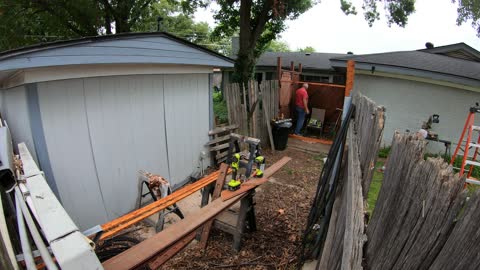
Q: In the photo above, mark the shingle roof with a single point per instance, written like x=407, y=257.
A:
x=64, y=43
x=312, y=61
x=420, y=60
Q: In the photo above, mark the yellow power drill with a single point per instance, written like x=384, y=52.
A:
x=260, y=164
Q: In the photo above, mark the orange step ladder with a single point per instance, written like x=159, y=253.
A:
x=470, y=127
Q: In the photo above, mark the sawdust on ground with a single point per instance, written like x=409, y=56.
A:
x=282, y=207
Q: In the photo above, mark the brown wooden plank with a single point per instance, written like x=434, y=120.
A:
x=227, y=194
x=171, y=251
x=141, y=253
x=113, y=227
x=222, y=129
x=216, y=193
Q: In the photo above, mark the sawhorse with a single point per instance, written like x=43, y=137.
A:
x=234, y=222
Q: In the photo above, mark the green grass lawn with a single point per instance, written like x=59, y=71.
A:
x=375, y=187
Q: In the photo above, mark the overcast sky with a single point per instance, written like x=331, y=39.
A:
x=327, y=29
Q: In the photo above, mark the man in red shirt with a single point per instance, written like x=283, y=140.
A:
x=301, y=106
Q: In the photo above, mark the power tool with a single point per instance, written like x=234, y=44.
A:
x=235, y=165
x=260, y=164
x=234, y=185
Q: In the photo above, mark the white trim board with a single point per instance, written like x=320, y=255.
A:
x=101, y=70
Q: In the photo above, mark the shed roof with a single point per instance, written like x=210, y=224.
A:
x=308, y=61
x=151, y=48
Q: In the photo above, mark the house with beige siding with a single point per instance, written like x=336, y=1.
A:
x=414, y=85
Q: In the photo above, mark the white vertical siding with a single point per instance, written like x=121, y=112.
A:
x=187, y=122
x=409, y=103
x=100, y=131
x=62, y=109
x=126, y=121
x=14, y=109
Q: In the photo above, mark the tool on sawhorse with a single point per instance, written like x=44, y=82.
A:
x=260, y=164
x=234, y=158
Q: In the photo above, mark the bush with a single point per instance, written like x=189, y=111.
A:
x=220, y=107
x=383, y=152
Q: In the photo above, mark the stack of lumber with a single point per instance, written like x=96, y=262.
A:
x=168, y=238
x=115, y=226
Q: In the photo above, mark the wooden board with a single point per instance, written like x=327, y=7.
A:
x=216, y=193
x=171, y=251
x=222, y=129
x=141, y=253
x=218, y=139
x=227, y=194
x=113, y=227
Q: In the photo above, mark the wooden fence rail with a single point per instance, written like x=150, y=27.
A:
x=241, y=101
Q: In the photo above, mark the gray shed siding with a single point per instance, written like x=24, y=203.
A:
x=145, y=50
x=67, y=139
x=100, y=131
x=409, y=103
x=187, y=122
x=14, y=109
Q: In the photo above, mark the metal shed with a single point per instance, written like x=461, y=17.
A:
x=96, y=110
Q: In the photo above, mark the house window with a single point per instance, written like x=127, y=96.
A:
x=315, y=78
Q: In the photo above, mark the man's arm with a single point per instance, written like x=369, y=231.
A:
x=305, y=105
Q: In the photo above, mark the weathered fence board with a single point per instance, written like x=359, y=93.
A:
x=343, y=248
x=345, y=238
x=416, y=209
x=260, y=97
x=369, y=125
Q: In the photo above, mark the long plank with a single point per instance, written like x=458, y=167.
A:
x=171, y=251
x=144, y=251
x=216, y=193
x=227, y=194
x=269, y=129
x=119, y=224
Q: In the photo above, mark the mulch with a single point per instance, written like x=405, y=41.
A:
x=282, y=208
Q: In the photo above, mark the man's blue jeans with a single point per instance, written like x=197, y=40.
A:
x=300, y=119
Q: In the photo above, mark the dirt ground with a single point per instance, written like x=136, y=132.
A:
x=282, y=207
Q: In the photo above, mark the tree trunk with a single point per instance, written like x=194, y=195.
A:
x=250, y=31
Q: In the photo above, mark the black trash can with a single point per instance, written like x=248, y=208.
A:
x=280, y=131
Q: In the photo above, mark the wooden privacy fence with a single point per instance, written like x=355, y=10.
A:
x=261, y=98
x=423, y=217
x=343, y=247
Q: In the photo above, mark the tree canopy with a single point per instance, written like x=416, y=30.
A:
x=308, y=49
x=278, y=46
x=25, y=22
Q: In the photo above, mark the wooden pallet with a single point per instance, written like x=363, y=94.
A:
x=218, y=145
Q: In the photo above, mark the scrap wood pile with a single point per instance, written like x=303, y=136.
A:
x=282, y=206
x=166, y=243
